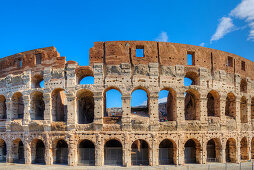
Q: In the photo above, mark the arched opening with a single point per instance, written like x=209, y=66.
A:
x=58, y=108
x=36, y=81
x=139, y=103
x=167, y=105
x=252, y=108
x=17, y=106
x=243, y=86
x=244, y=149
x=113, y=106
x=113, y=153
x=167, y=152
x=86, y=153
x=243, y=110
x=192, y=105
x=61, y=152
x=213, y=104
x=87, y=80
x=139, y=152
x=191, y=78
x=38, y=151
x=230, y=105
x=85, y=106
x=191, y=152
x=84, y=75
x=231, y=150
x=252, y=148
x=18, y=151
x=37, y=106
x=3, y=151
x=213, y=149
x=3, y=108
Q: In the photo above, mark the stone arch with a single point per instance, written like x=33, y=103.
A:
x=60, y=152
x=83, y=72
x=244, y=149
x=243, y=86
x=252, y=148
x=38, y=151
x=192, y=105
x=3, y=151
x=85, y=106
x=192, y=149
x=86, y=153
x=243, y=110
x=193, y=76
x=37, y=106
x=252, y=108
x=58, y=107
x=142, y=110
x=18, y=151
x=113, y=152
x=17, y=106
x=167, y=152
x=231, y=150
x=213, y=103
x=167, y=109
x=3, y=108
x=213, y=149
x=140, y=152
x=230, y=109
x=36, y=81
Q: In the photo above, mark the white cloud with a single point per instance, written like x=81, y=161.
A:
x=224, y=27
x=163, y=37
x=202, y=44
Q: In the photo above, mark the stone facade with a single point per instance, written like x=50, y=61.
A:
x=65, y=121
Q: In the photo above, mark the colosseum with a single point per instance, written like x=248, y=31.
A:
x=49, y=117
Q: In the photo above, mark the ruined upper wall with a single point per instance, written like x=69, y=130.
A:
x=34, y=60
x=167, y=54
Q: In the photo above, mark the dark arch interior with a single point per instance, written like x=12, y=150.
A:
x=113, y=153
x=85, y=107
x=190, y=152
x=61, y=152
x=139, y=152
x=3, y=151
x=211, y=151
x=40, y=152
x=166, y=152
x=86, y=153
x=231, y=151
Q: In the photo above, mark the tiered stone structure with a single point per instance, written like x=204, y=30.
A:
x=64, y=121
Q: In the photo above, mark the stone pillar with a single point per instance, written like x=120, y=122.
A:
x=180, y=150
x=237, y=111
x=71, y=110
x=203, y=151
x=126, y=116
x=203, y=112
x=9, y=158
x=155, y=151
x=27, y=150
x=48, y=151
x=26, y=118
x=98, y=110
x=126, y=152
x=99, y=151
x=238, y=151
x=222, y=112
x=8, y=114
x=72, y=151
x=249, y=147
x=180, y=110
x=47, y=111
x=153, y=110
x=223, y=153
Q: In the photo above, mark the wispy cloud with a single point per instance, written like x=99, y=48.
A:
x=163, y=37
x=202, y=44
x=224, y=27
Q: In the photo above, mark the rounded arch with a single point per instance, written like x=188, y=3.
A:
x=82, y=72
x=37, y=106
x=58, y=107
x=192, y=105
x=230, y=109
x=167, y=105
x=38, y=151
x=36, y=81
x=167, y=152
x=192, y=149
x=3, y=108
x=213, y=149
x=85, y=106
x=17, y=105
x=3, y=151
x=140, y=152
x=61, y=152
x=140, y=98
x=244, y=149
x=213, y=103
x=243, y=86
x=231, y=150
x=86, y=152
x=113, y=153
x=193, y=76
x=18, y=151
x=243, y=110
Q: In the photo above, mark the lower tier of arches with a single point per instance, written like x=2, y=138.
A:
x=126, y=148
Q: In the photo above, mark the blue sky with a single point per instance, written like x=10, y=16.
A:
x=73, y=26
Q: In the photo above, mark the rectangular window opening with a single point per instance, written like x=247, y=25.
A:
x=38, y=58
x=19, y=63
x=243, y=65
x=139, y=51
x=230, y=62
x=190, y=58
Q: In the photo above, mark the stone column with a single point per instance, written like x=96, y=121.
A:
x=126, y=152
x=223, y=153
x=71, y=110
x=48, y=151
x=153, y=110
x=180, y=120
x=203, y=151
x=237, y=111
x=9, y=158
x=203, y=112
x=126, y=108
x=8, y=113
x=27, y=150
x=72, y=151
x=155, y=151
x=238, y=151
x=47, y=111
x=26, y=118
x=98, y=110
x=99, y=150
x=222, y=112
x=180, y=150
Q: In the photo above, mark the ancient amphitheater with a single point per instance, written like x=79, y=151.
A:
x=65, y=122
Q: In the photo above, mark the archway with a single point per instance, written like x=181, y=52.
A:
x=58, y=108
x=18, y=151
x=3, y=108
x=230, y=109
x=244, y=149
x=192, y=152
x=85, y=102
x=86, y=153
x=167, y=105
x=167, y=152
x=243, y=110
x=193, y=78
x=243, y=86
x=3, y=151
x=140, y=152
x=113, y=153
x=192, y=105
x=140, y=103
x=38, y=151
x=17, y=106
x=61, y=155
x=231, y=150
x=213, y=104
x=252, y=148
x=213, y=149
x=37, y=106
x=36, y=81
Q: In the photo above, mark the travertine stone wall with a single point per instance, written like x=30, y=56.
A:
x=221, y=108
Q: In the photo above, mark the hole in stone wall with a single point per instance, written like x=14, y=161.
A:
x=213, y=104
x=17, y=106
x=190, y=58
x=243, y=86
x=113, y=153
x=167, y=105
x=38, y=58
x=61, y=152
x=37, y=106
x=191, y=78
x=244, y=149
x=3, y=108
x=86, y=153
x=139, y=103
x=37, y=81
x=230, y=61
x=243, y=110
x=243, y=65
x=139, y=51
x=87, y=80
x=58, y=108
x=3, y=151
x=230, y=105
x=191, y=102
x=139, y=152
x=85, y=106
x=167, y=153
x=231, y=150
